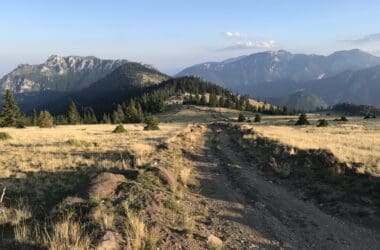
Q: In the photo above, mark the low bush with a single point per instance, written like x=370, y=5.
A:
x=322, y=123
x=119, y=129
x=4, y=136
x=257, y=118
x=241, y=118
x=302, y=120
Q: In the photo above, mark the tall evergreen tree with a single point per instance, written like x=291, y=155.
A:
x=10, y=112
x=203, y=100
x=106, y=118
x=45, y=120
x=213, y=102
x=120, y=113
x=73, y=116
x=34, y=118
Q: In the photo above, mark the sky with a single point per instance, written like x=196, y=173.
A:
x=172, y=35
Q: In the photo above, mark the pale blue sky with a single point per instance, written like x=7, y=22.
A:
x=174, y=34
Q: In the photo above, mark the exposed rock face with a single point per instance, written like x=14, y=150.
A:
x=58, y=74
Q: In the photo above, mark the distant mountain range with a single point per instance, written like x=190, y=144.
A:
x=58, y=74
x=340, y=77
x=299, y=81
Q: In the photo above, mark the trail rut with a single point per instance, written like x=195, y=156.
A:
x=248, y=211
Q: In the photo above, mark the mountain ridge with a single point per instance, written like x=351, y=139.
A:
x=58, y=73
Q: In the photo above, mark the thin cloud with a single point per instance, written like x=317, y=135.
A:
x=241, y=42
x=230, y=34
x=372, y=38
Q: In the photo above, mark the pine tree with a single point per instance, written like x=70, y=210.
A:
x=106, y=118
x=73, y=116
x=197, y=99
x=120, y=113
x=257, y=118
x=213, y=102
x=151, y=123
x=34, y=118
x=134, y=112
x=140, y=113
x=10, y=112
x=203, y=100
x=115, y=117
x=221, y=101
x=45, y=120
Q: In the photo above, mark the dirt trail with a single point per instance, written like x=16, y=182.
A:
x=247, y=211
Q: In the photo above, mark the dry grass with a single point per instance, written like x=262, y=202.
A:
x=67, y=234
x=185, y=175
x=33, y=150
x=351, y=143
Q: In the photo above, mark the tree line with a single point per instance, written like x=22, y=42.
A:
x=136, y=109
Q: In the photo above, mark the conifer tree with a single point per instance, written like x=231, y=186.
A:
x=73, y=116
x=203, y=100
x=45, y=120
x=120, y=113
x=213, y=102
x=10, y=112
x=140, y=113
x=221, y=101
x=197, y=99
x=34, y=118
x=106, y=118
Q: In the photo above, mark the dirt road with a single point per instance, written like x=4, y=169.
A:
x=248, y=211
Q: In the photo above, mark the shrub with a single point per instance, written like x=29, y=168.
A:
x=241, y=118
x=4, y=136
x=302, y=120
x=119, y=129
x=151, y=123
x=344, y=119
x=257, y=118
x=322, y=123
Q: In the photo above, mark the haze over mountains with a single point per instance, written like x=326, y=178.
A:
x=334, y=78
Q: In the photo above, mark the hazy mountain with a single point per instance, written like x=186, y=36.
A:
x=299, y=101
x=361, y=87
x=279, y=74
x=58, y=74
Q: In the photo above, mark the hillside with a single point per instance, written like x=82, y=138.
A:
x=361, y=87
x=58, y=73
x=300, y=100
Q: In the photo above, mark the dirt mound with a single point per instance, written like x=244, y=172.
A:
x=105, y=185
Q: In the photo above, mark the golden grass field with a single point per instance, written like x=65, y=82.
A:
x=354, y=142
x=46, y=165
